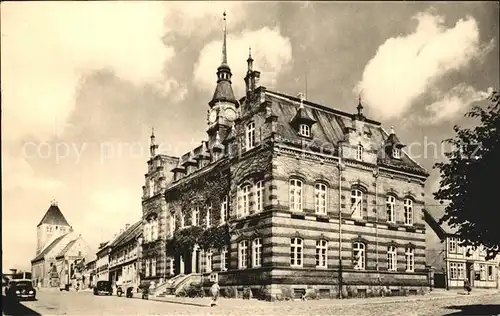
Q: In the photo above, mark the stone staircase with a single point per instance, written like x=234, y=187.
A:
x=166, y=288
x=186, y=281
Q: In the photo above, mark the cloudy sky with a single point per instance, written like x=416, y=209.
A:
x=84, y=82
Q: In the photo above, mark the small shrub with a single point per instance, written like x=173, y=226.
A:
x=195, y=290
x=312, y=295
x=259, y=293
x=279, y=297
x=345, y=293
x=247, y=293
x=287, y=293
x=354, y=292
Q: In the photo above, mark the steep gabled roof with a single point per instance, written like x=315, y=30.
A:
x=47, y=249
x=54, y=216
x=65, y=249
x=432, y=216
x=133, y=232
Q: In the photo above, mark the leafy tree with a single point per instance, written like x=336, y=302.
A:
x=469, y=180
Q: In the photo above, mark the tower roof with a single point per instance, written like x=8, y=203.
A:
x=54, y=216
x=224, y=91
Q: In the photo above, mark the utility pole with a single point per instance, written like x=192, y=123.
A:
x=340, y=220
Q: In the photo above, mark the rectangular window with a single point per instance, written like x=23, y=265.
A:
x=208, y=262
x=243, y=254
x=320, y=198
x=259, y=196
x=296, y=195
x=453, y=245
x=390, y=207
x=491, y=275
x=208, y=216
x=196, y=216
x=453, y=271
x=153, y=267
x=296, y=253
x=147, y=268
x=396, y=153
x=410, y=259
x=224, y=210
x=359, y=152
x=460, y=270
x=305, y=130
x=244, y=200
x=392, y=258
x=359, y=256
x=321, y=253
x=257, y=252
x=224, y=259
x=408, y=212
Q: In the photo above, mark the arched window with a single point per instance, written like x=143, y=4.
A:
x=295, y=195
x=356, y=203
x=257, y=252
x=320, y=198
x=358, y=251
x=243, y=254
x=321, y=253
x=392, y=258
x=244, y=200
x=250, y=135
x=410, y=259
x=408, y=211
x=390, y=204
x=359, y=152
x=296, y=252
x=259, y=196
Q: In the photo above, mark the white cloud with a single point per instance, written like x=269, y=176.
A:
x=406, y=67
x=270, y=51
x=200, y=18
x=454, y=103
x=17, y=173
x=48, y=46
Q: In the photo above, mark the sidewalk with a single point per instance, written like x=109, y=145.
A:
x=436, y=294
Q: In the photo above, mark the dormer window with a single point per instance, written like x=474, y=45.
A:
x=305, y=130
x=359, y=152
x=396, y=153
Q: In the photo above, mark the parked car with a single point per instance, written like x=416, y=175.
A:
x=20, y=289
x=103, y=287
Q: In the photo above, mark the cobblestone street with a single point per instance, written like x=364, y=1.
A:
x=84, y=303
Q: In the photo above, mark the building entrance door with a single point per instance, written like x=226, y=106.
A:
x=469, y=272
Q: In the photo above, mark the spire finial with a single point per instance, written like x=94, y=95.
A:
x=360, y=106
x=392, y=130
x=249, y=52
x=224, y=52
x=152, y=131
x=301, y=97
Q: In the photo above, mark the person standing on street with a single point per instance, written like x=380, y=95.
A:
x=215, y=289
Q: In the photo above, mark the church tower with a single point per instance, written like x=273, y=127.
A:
x=223, y=106
x=52, y=225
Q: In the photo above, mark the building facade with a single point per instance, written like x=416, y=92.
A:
x=102, y=261
x=154, y=216
x=58, y=249
x=453, y=263
x=314, y=199
x=124, y=265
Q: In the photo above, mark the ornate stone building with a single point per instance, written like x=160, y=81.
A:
x=154, y=215
x=314, y=199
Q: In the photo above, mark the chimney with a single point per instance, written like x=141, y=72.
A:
x=127, y=226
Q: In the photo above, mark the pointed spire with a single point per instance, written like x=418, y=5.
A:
x=152, y=135
x=250, y=60
x=224, y=52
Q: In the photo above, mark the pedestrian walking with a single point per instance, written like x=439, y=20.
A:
x=214, y=290
x=467, y=287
